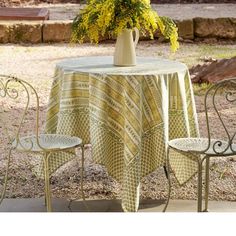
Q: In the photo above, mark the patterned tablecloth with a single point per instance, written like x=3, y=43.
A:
x=127, y=114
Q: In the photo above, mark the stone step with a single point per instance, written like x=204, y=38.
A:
x=8, y=13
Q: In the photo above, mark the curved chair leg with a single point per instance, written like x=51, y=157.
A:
x=6, y=176
x=199, y=194
x=47, y=182
x=168, y=178
x=207, y=183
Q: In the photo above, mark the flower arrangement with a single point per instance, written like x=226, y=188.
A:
x=110, y=17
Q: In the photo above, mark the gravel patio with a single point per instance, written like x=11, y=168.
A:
x=36, y=64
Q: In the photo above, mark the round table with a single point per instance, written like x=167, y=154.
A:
x=128, y=114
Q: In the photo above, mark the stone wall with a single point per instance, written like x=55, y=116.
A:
x=60, y=31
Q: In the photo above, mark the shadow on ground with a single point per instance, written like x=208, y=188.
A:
x=62, y=205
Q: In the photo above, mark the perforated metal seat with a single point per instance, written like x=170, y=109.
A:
x=53, y=142
x=201, y=145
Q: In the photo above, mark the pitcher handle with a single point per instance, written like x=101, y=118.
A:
x=136, y=37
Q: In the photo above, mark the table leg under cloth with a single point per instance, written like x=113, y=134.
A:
x=128, y=120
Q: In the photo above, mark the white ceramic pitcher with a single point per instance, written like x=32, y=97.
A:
x=125, y=48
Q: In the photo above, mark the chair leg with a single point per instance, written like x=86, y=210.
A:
x=6, y=176
x=47, y=182
x=81, y=183
x=82, y=174
x=165, y=171
x=207, y=183
x=45, y=200
x=168, y=178
x=199, y=194
x=82, y=179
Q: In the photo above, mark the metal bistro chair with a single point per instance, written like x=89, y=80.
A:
x=202, y=149
x=44, y=144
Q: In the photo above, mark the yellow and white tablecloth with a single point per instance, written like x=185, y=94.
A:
x=127, y=113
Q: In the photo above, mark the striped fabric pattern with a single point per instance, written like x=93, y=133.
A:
x=127, y=114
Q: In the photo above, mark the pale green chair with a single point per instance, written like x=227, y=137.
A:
x=12, y=88
x=202, y=149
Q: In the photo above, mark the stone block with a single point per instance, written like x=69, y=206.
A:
x=4, y=32
x=25, y=32
x=57, y=31
x=215, y=28
x=185, y=29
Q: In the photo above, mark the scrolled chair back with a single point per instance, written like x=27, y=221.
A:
x=224, y=90
x=18, y=91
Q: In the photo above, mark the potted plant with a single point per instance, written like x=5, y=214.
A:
x=118, y=18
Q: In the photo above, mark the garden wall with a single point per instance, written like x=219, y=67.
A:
x=60, y=31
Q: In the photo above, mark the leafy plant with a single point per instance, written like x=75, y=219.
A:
x=109, y=17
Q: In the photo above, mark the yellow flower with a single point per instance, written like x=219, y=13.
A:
x=110, y=17
x=146, y=2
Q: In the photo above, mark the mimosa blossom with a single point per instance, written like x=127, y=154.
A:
x=110, y=17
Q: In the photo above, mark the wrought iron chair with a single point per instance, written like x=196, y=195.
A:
x=44, y=144
x=202, y=149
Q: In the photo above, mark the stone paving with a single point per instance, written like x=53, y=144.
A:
x=175, y=11
x=62, y=205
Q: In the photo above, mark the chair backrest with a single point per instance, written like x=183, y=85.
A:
x=223, y=92
x=13, y=92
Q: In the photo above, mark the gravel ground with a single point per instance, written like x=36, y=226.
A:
x=36, y=64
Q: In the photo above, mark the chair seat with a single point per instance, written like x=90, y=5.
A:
x=50, y=142
x=199, y=145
